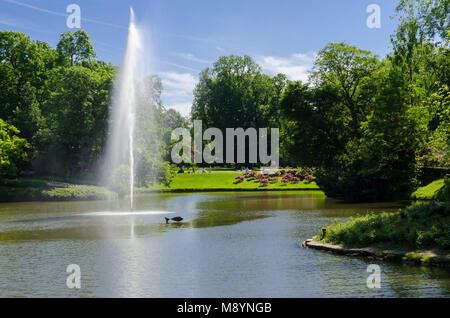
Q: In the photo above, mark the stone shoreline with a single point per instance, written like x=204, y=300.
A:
x=426, y=258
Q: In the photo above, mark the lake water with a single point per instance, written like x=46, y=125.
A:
x=229, y=245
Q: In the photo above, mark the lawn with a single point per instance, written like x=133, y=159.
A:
x=54, y=189
x=436, y=190
x=224, y=180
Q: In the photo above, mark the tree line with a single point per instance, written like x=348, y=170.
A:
x=363, y=122
x=55, y=105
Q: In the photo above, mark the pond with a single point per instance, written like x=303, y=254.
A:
x=241, y=244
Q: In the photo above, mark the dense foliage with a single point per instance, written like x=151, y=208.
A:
x=13, y=150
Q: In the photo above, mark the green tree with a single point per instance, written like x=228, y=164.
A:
x=392, y=135
x=75, y=47
x=235, y=93
x=77, y=113
x=318, y=124
x=13, y=150
x=24, y=70
x=347, y=69
x=421, y=49
x=432, y=18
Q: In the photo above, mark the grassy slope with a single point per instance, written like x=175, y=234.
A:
x=223, y=180
x=418, y=226
x=434, y=191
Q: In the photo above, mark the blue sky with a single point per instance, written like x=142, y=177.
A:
x=187, y=36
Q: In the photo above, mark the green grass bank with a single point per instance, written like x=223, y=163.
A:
x=437, y=190
x=420, y=233
x=224, y=181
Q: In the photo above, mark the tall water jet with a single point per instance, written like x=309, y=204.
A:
x=119, y=163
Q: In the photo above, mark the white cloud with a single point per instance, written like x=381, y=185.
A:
x=178, y=91
x=183, y=108
x=296, y=67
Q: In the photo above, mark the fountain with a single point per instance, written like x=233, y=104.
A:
x=122, y=118
x=130, y=116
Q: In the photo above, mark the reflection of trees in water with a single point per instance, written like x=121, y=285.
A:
x=266, y=202
x=405, y=280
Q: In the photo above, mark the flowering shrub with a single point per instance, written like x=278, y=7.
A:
x=273, y=180
x=282, y=171
x=288, y=176
x=309, y=178
x=239, y=179
x=295, y=179
x=264, y=182
x=260, y=176
x=250, y=174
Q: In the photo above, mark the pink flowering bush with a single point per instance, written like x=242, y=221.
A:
x=260, y=176
x=239, y=179
x=264, y=182
x=295, y=179
x=288, y=176
x=250, y=174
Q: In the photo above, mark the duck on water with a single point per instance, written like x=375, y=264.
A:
x=176, y=219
